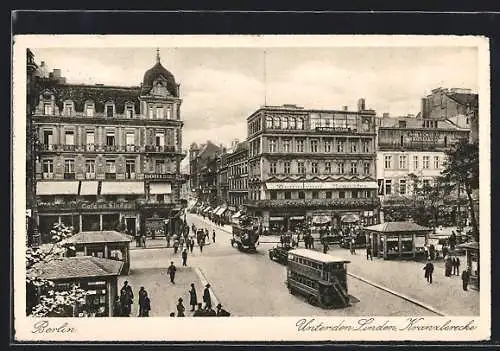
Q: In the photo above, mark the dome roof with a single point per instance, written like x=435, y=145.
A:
x=159, y=71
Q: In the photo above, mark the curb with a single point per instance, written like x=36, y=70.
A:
x=403, y=296
x=204, y=281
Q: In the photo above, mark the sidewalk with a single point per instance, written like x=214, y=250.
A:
x=407, y=277
x=163, y=294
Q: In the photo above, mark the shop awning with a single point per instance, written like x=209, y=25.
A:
x=321, y=219
x=122, y=188
x=236, y=215
x=350, y=218
x=160, y=188
x=221, y=211
x=216, y=209
x=276, y=219
x=89, y=187
x=57, y=188
x=207, y=209
x=297, y=218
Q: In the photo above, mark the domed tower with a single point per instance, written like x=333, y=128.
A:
x=159, y=81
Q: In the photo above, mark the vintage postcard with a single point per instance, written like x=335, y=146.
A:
x=299, y=188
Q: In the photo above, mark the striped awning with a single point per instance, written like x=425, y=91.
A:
x=122, y=188
x=216, y=209
x=276, y=219
x=57, y=188
x=160, y=188
x=89, y=187
x=236, y=215
x=221, y=211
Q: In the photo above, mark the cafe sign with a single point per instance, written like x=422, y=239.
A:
x=423, y=136
x=159, y=176
x=320, y=185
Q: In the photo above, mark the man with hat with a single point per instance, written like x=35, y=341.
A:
x=171, y=272
x=206, y=297
x=180, y=308
x=222, y=312
x=199, y=312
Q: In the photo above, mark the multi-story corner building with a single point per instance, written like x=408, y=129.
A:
x=411, y=146
x=203, y=171
x=450, y=104
x=237, y=174
x=110, y=155
x=307, y=164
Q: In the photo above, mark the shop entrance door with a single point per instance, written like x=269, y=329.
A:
x=131, y=225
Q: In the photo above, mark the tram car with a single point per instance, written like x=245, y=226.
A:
x=246, y=234
x=320, y=278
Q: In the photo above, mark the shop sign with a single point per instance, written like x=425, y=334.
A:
x=392, y=238
x=406, y=237
x=423, y=137
x=159, y=176
x=321, y=185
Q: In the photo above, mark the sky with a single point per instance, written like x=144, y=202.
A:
x=221, y=87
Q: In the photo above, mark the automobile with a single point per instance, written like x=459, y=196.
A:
x=331, y=239
x=280, y=254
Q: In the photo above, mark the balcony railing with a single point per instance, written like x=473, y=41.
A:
x=86, y=205
x=155, y=148
x=108, y=148
x=306, y=203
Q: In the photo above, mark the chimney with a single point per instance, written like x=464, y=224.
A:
x=42, y=64
x=57, y=73
x=361, y=104
x=345, y=108
x=385, y=115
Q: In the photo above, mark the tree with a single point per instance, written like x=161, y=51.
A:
x=41, y=297
x=462, y=168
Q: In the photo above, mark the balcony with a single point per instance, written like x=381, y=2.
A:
x=316, y=203
x=155, y=148
x=86, y=205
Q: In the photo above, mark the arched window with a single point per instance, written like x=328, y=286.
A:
x=291, y=123
x=269, y=122
x=276, y=123
x=300, y=123
x=285, y=123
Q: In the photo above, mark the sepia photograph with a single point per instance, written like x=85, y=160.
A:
x=299, y=187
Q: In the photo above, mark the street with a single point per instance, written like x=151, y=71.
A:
x=245, y=284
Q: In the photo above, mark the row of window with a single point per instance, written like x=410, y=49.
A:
x=238, y=169
x=402, y=187
x=294, y=123
x=254, y=126
x=403, y=162
x=314, y=145
x=299, y=167
x=236, y=200
x=111, y=138
x=316, y=194
x=160, y=166
x=154, y=111
x=317, y=120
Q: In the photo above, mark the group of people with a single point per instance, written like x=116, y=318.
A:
x=451, y=263
x=200, y=309
x=123, y=303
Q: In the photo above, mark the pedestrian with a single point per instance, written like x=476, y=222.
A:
x=176, y=246
x=171, y=272
x=325, y=247
x=141, y=294
x=168, y=240
x=457, y=265
x=429, y=269
x=447, y=266
x=193, y=300
x=146, y=305
x=465, y=278
x=126, y=298
x=369, y=254
x=201, y=243
x=222, y=312
x=184, y=257
x=143, y=239
x=445, y=251
x=172, y=314
x=117, y=308
x=213, y=236
x=206, y=236
x=206, y=297
x=180, y=308
x=353, y=246
x=191, y=245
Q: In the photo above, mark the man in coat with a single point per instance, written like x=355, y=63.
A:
x=222, y=312
x=456, y=268
x=146, y=305
x=193, y=300
x=206, y=297
x=171, y=272
x=126, y=298
x=184, y=257
x=213, y=236
x=465, y=278
x=199, y=312
x=429, y=269
x=142, y=294
x=369, y=255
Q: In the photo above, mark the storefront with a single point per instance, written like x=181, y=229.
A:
x=97, y=276
x=104, y=244
x=397, y=239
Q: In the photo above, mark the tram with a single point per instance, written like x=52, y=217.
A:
x=246, y=234
x=321, y=278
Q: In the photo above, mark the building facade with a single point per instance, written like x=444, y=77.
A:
x=110, y=155
x=237, y=175
x=203, y=172
x=411, y=147
x=308, y=164
x=448, y=104
x=222, y=178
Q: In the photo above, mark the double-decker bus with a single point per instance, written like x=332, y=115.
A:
x=321, y=278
